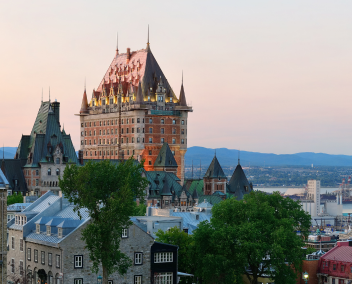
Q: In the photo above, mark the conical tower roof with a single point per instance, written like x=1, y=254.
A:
x=166, y=189
x=215, y=170
x=165, y=157
x=195, y=194
x=139, y=97
x=239, y=184
x=182, y=98
x=84, y=105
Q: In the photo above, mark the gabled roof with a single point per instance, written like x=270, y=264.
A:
x=3, y=180
x=165, y=158
x=239, y=185
x=215, y=170
x=342, y=252
x=12, y=169
x=166, y=189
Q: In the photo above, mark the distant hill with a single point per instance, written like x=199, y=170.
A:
x=229, y=157
x=9, y=152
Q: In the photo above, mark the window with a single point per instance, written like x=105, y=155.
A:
x=182, y=131
x=13, y=242
x=132, y=130
x=182, y=141
x=182, y=122
x=174, y=121
x=57, y=172
x=50, y=259
x=48, y=230
x=21, y=267
x=21, y=244
x=127, y=130
x=12, y=265
x=150, y=120
x=58, y=261
x=163, y=257
x=37, y=182
x=163, y=277
x=124, y=233
x=28, y=254
x=138, y=120
x=138, y=140
x=138, y=279
x=150, y=140
x=150, y=152
x=121, y=130
x=173, y=153
x=37, y=172
x=138, y=258
x=78, y=281
x=334, y=267
x=170, y=99
x=128, y=121
x=110, y=282
x=78, y=261
x=35, y=255
x=43, y=257
x=173, y=130
x=49, y=172
x=150, y=163
x=162, y=130
x=342, y=268
x=162, y=140
x=162, y=121
x=173, y=141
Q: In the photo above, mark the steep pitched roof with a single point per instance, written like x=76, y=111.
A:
x=84, y=105
x=215, y=170
x=165, y=157
x=166, y=189
x=139, y=97
x=12, y=169
x=182, y=99
x=141, y=67
x=239, y=185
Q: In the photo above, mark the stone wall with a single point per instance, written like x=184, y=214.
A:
x=15, y=253
x=3, y=222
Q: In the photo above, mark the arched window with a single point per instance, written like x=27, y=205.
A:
x=50, y=278
x=57, y=172
x=49, y=172
x=35, y=275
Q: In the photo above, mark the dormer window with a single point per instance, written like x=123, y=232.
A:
x=111, y=101
x=93, y=103
x=148, y=98
x=59, y=232
x=48, y=230
x=37, y=228
x=170, y=99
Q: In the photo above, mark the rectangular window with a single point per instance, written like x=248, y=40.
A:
x=78, y=281
x=124, y=233
x=182, y=141
x=182, y=131
x=162, y=130
x=161, y=257
x=174, y=121
x=182, y=122
x=21, y=244
x=50, y=259
x=162, y=140
x=173, y=141
x=59, y=232
x=150, y=140
x=48, y=230
x=58, y=261
x=138, y=279
x=162, y=121
x=28, y=254
x=13, y=242
x=35, y=255
x=150, y=130
x=334, y=267
x=163, y=277
x=342, y=268
x=21, y=267
x=12, y=265
x=78, y=261
x=37, y=226
x=132, y=120
x=173, y=130
x=43, y=257
x=138, y=120
x=138, y=258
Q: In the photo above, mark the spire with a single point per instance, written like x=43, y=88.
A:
x=117, y=44
x=84, y=105
x=148, y=44
x=49, y=94
x=42, y=94
x=238, y=156
x=182, y=98
x=139, y=97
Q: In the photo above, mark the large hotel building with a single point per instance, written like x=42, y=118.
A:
x=134, y=111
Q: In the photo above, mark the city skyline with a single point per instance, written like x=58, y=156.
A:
x=272, y=78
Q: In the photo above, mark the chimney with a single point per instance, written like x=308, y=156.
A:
x=128, y=55
x=56, y=109
x=80, y=157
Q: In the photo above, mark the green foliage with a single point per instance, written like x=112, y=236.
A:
x=107, y=191
x=140, y=209
x=186, y=259
x=245, y=234
x=15, y=198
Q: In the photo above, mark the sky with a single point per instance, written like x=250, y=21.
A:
x=266, y=76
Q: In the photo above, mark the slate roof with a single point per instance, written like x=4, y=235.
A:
x=212, y=199
x=12, y=169
x=166, y=189
x=156, y=182
x=3, y=181
x=239, y=185
x=182, y=98
x=148, y=74
x=165, y=158
x=215, y=170
x=44, y=139
x=190, y=220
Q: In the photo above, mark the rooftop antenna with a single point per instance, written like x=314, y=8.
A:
x=239, y=156
x=215, y=153
x=148, y=47
x=85, y=79
x=117, y=43
x=49, y=94
x=182, y=77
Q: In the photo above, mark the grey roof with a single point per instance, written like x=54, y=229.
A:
x=17, y=207
x=182, y=98
x=165, y=157
x=239, y=185
x=190, y=220
x=44, y=204
x=140, y=225
x=68, y=223
x=12, y=169
x=215, y=170
x=69, y=213
x=166, y=189
x=139, y=97
x=3, y=181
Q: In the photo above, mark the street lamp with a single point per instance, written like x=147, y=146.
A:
x=100, y=280
x=306, y=277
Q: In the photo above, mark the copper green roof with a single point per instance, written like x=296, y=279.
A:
x=165, y=157
x=215, y=170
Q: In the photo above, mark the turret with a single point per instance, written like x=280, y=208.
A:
x=182, y=98
x=84, y=105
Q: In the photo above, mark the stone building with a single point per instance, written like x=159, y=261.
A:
x=134, y=111
x=44, y=153
x=45, y=243
x=4, y=185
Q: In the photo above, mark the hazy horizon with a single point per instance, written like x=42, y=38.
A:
x=271, y=77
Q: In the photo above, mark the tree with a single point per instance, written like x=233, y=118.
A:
x=107, y=190
x=252, y=237
x=184, y=241
x=15, y=198
x=140, y=209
